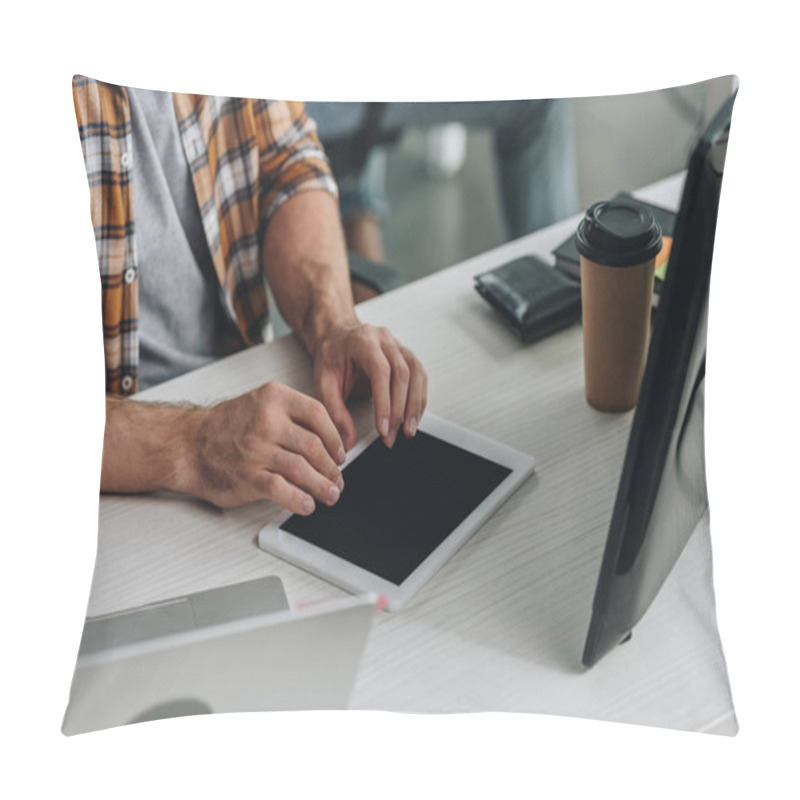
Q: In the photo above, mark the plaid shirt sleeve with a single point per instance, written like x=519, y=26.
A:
x=291, y=156
x=247, y=157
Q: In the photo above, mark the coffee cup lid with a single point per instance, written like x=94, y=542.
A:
x=619, y=233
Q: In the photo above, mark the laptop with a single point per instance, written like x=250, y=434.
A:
x=235, y=648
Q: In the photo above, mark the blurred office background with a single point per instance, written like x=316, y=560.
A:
x=623, y=143
x=439, y=217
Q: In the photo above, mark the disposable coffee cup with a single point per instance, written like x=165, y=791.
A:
x=618, y=241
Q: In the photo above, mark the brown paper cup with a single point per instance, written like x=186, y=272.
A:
x=616, y=324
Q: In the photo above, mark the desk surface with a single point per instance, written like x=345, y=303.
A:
x=501, y=627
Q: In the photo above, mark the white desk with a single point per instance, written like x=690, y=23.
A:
x=502, y=626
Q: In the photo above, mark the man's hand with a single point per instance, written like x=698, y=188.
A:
x=362, y=356
x=272, y=443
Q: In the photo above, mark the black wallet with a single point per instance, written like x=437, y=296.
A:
x=533, y=297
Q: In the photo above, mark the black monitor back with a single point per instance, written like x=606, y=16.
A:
x=662, y=491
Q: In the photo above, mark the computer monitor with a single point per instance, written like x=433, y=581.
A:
x=662, y=492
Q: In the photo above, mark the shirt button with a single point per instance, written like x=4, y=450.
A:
x=130, y=275
x=127, y=383
x=126, y=159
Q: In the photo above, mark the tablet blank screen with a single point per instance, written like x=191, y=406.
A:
x=399, y=505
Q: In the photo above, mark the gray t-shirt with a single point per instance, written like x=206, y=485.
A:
x=182, y=324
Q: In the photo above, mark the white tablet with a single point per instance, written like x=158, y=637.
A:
x=403, y=512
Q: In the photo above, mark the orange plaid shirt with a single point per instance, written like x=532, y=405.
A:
x=246, y=158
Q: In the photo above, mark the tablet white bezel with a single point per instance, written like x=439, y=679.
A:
x=356, y=579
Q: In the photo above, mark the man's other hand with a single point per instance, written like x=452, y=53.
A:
x=362, y=355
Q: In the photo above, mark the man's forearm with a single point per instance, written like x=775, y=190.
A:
x=305, y=262
x=147, y=447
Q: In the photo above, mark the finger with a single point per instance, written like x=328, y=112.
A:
x=309, y=446
x=276, y=488
x=330, y=393
x=417, y=393
x=312, y=415
x=398, y=387
x=373, y=363
x=294, y=469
